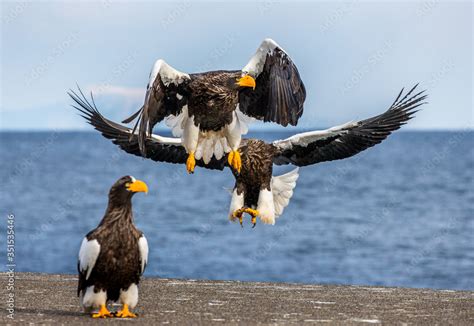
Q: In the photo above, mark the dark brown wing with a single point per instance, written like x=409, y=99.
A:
x=166, y=94
x=280, y=93
x=81, y=285
x=160, y=149
x=349, y=139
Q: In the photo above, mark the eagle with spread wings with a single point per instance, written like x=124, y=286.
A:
x=210, y=111
x=257, y=192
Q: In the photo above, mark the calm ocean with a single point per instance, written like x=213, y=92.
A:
x=399, y=214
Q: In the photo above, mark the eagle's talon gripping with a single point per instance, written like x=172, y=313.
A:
x=125, y=313
x=235, y=160
x=254, y=221
x=103, y=313
x=230, y=158
x=238, y=214
x=253, y=213
x=190, y=163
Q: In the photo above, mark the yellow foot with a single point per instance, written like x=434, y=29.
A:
x=103, y=313
x=234, y=160
x=125, y=313
x=190, y=163
x=238, y=214
x=254, y=213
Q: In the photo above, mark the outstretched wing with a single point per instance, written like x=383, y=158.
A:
x=348, y=139
x=166, y=95
x=158, y=148
x=279, y=94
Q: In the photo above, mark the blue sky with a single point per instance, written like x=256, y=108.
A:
x=353, y=56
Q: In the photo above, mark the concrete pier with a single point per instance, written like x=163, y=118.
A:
x=51, y=299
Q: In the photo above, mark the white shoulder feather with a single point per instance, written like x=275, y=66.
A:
x=88, y=254
x=167, y=74
x=143, y=248
x=244, y=121
x=255, y=66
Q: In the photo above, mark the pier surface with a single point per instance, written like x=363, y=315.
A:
x=51, y=299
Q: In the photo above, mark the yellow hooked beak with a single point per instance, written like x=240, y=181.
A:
x=246, y=81
x=137, y=186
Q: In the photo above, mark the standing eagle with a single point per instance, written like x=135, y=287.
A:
x=113, y=256
x=210, y=110
x=256, y=191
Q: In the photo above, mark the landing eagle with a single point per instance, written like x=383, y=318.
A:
x=257, y=192
x=210, y=111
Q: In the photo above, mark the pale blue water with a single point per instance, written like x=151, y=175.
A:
x=399, y=214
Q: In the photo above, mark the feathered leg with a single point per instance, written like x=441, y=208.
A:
x=234, y=136
x=129, y=299
x=190, y=142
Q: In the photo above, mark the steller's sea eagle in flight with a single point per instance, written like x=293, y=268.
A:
x=210, y=110
x=256, y=191
x=113, y=256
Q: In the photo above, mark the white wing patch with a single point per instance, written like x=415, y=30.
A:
x=167, y=73
x=88, y=254
x=143, y=248
x=305, y=138
x=282, y=188
x=255, y=66
x=244, y=121
x=176, y=122
x=161, y=139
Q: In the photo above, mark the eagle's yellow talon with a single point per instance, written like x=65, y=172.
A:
x=252, y=212
x=125, y=313
x=190, y=163
x=239, y=214
x=235, y=160
x=230, y=157
x=103, y=313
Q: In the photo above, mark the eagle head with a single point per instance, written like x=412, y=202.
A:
x=125, y=187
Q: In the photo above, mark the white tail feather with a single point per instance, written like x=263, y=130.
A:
x=199, y=151
x=211, y=142
x=218, y=149
x=282, y=188
x=208, y=149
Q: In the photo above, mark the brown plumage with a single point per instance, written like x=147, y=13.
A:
x=215, y=97
x=112, y=257
x=257, y=168
x=258, y=156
